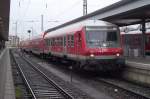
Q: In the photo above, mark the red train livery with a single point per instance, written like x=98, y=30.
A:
x=90, y=44
x=35, y=45
x=132, y=41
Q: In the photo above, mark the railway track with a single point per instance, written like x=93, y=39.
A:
x=18, y=81
x=119, y=87
x=39, y=85
x=122, y=85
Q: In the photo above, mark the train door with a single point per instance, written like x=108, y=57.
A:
x=78, y=44
x=70, y=43
x=147, y=44
x=64, y=46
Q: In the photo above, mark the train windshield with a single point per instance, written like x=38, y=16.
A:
x=102, y=38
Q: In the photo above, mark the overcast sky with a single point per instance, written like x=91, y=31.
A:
x=27, y=13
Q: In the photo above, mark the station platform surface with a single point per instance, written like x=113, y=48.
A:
x=8, y=89
x=139, y=62
x=138, y=70
x=140, y=59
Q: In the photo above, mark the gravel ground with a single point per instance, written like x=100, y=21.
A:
x=145, y=91
x=76, y=81
x=21, y=90
x=96, y=89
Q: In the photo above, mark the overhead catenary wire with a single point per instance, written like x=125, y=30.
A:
x=69, y=8
x=19, y=19
x=24, y=9
x=84, y=7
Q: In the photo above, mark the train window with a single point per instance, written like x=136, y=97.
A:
x=79, y=39
x=64, y=40
x=72, y=37
x=111, y=36
x=61, y=41
x=72, y=40
x=68, y=39
x=147, y=39
x=46, y=41
x=54, y=42
x=49, y=42
x=57, y=41
x=97, y=38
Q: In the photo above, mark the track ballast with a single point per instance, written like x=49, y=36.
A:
x=40, y=86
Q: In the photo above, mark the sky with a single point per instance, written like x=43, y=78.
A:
x=27, y=14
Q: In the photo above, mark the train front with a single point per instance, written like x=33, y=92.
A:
x=103, y=47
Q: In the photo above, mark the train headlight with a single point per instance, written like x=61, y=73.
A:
x=118, y=54
x=92, y=55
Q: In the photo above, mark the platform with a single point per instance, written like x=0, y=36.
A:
x=142, y=63
x=138, y=70
x=7, y=90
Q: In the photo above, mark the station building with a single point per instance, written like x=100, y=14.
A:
x=13, y=41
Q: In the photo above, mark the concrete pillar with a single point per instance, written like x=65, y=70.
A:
x=143, y=37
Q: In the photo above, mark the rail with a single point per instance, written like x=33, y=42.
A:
x=50, y=81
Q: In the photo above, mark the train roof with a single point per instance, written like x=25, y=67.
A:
x=76, y=27
x=40, y=36
x=37, y=36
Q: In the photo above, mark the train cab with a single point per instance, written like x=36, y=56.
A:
x=102, y=47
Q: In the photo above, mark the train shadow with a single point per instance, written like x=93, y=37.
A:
x=99, y=74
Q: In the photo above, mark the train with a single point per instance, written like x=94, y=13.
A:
x=132, y=41
x=88, y=44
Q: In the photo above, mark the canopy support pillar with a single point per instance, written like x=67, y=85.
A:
x=143, y=37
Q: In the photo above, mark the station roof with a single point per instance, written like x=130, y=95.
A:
x=125, y=12
x=4, y=19
x=122, y=13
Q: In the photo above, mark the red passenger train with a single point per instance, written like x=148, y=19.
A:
x=35, y=45
x=132, y=41
x=90, y=44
